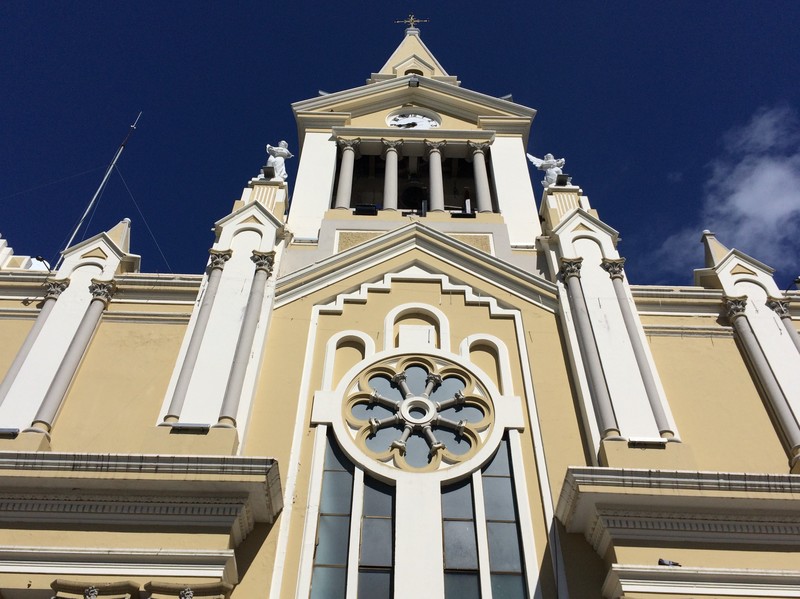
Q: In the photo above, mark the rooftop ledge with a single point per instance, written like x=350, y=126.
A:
x=609, y=505
x=218, y=492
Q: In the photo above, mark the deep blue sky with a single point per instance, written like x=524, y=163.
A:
x=673, y=116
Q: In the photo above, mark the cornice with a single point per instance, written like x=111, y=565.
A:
x=415, y=236
x=698, y=582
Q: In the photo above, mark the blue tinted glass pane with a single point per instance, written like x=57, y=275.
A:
x=468, y=413
x=462, y=586
x=447, y=389
x=334, y=458
x=508, y=586
x=455, y=443
x=334, y=532
x=377, y=498
x=376, y=542
x=382, y=439
x=337, y=490
x=415, y=379
x=457, y=501
x=328, y=583
x=364, y=411
x=460, y=549
x=417, y=451
x=375, y=584
x=499, y=464
x=498, y=495
x=504, y=547
x=385, y=387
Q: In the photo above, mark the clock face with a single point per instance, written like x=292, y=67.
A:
x=412, y=120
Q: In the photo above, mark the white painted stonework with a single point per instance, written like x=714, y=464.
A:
x=515, y=197
x=314, y=187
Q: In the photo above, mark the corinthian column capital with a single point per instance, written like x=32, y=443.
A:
x=478, y=147
x=735, y=306
x=349, y=144
x=219, y=258
x=263, y=261
x=614, y=267
x=54, y=288
x=779, y=305
x=571, y=267
x=102, y=290
x=391, y=144
x=434, y=146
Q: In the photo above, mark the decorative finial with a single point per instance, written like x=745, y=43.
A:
x=412, y=21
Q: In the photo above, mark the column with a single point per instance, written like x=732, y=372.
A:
x=216, y=264
x=434, y=150
x=777, y=400
x=601, y=400
x=345, y=188
x=244, y=344
x=484, y=195
x=390, y=155
x=614, y=268
x=781, y=307
x=101, y=296
x=54, y=288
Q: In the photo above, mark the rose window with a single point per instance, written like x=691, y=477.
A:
x=419, y=413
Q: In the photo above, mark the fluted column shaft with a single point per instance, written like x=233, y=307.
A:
x=601, y=400
x=435, y=175
x=218, y=260
x=54, y=289
x=244, y=344
x=614, y=268
x=484, y=195
x=780, y=406
x=345, y=188
x=390, y=155
x=781, y=307
x=101, y=296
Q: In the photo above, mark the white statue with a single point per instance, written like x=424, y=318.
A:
x=550, y=166
x=277, y=157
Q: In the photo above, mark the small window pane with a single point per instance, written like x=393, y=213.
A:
x=328, y=583
x=447, y=389
x=376, y=542
x=508, y=586
x=374, y=584
x=457, y=501
x=382, y=439
x=335, y=459
x=365, y=411
x=462, y=586
x=377, y=498
x=417, y=451
x=334, y=532
x=499, y=464
x=504, y=547
x=457, y=444
x=415, y=379
x=468, y=413
x=385, y=387
x=460, y=548
x=499, y=498
x=337, y=490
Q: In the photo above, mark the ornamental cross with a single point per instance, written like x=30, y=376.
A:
x=412, y=21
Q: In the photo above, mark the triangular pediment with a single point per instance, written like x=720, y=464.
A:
x=412, y=56
x=253, y=213
x=582, y=222
x=420, y=246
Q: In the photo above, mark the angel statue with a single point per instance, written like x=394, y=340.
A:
x=277, y=158
x=550, y=166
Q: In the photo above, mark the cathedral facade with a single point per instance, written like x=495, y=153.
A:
x=413, y=378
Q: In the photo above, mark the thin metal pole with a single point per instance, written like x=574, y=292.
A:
x=99, y=189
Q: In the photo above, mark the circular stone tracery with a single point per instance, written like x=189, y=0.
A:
x=419, y=413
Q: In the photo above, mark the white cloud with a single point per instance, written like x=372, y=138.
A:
x=752, y=197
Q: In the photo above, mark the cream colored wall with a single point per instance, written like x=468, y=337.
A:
x=378, y=119
x=716, y=405
x=116, y=395
x=12, y=333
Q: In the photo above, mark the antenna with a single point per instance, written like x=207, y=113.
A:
x=100, y=188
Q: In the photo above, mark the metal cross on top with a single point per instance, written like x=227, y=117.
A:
x=412, y=21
